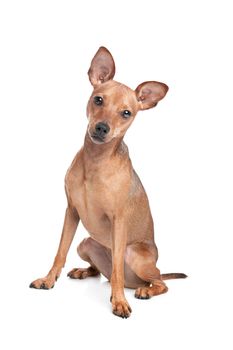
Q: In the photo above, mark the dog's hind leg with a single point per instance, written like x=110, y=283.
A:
x=142, y=257
x=98, y=256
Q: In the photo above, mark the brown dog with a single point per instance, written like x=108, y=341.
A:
x=105, y=193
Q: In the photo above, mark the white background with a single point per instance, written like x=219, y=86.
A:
x=182, y=151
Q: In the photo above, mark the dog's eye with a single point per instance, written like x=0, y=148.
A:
x=98, y=100
x=126, y=114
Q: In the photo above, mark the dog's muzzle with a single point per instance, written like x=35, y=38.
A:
x=101, y=130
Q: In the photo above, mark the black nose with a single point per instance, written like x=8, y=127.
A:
x=102, y=129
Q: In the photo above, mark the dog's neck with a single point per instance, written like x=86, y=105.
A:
x=97, y=152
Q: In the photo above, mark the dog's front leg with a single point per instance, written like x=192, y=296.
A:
x=120, y=306
x=70, y=225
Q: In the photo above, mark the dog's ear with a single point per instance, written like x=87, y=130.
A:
x=102, y=67
x=150, y=93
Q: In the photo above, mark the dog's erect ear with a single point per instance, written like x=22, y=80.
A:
x=102, y=67
x=150, y=93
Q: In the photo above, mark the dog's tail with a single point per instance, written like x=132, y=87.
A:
x=170, y=276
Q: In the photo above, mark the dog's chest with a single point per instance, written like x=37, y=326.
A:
x=95, y=195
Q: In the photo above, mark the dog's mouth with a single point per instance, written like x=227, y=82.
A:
x=96, y=138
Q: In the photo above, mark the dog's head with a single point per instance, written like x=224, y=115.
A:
x=113, y=106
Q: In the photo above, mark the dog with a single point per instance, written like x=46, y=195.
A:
x=105, y=193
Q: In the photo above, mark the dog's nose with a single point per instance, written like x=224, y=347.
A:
x=102, y=129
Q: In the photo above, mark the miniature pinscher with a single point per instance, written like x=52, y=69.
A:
x=105, y=193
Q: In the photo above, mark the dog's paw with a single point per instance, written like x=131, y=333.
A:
x=43, y=283
x=143, y=293
x=147, y=292
x=79, y=273
x=121, y=308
